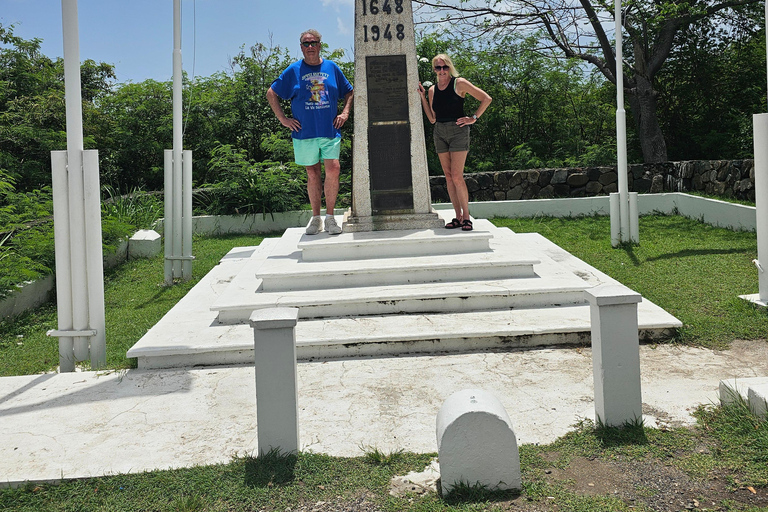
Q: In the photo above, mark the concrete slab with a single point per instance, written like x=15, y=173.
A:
x=77, y=425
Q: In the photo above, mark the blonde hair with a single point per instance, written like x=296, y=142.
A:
x=448, y=61
x=311, y=32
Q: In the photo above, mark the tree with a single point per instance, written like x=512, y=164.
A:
x=705, y=103
x=578, y=30
x=545, y=112
x=32, y=108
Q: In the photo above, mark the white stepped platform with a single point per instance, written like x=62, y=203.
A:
x=285, y=269
x=451, y=314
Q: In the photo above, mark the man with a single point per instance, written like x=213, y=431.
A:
x=314, y=86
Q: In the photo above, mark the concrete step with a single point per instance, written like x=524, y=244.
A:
x=285, y=270
x=387, y=335
x=379, y=244
x=237, y=303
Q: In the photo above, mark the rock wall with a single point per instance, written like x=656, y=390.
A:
x=725, y=178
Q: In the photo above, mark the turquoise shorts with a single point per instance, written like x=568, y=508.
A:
x=311, y=151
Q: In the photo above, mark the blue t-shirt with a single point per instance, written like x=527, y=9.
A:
x=314, y=92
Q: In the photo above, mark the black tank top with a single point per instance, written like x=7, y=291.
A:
x=448, y=105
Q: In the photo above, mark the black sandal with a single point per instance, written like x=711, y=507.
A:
x=455, y=223
x=466, y=225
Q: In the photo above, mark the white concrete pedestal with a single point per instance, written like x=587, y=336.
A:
x=277, y=413
x=615, y=354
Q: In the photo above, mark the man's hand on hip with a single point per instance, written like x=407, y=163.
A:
x=292, y=123
x=340, y=119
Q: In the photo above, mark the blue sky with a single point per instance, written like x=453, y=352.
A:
x=137, y=35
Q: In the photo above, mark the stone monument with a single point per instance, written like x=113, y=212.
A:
x=390, y=180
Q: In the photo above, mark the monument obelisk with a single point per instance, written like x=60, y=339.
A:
x=390, y=179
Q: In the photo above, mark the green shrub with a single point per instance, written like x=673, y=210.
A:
x=246, y=187
x=135, y=208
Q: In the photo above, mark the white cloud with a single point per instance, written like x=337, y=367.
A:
x=339, y=3
x=341, y=26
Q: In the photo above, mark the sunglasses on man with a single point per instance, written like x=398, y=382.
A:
x=307, y=44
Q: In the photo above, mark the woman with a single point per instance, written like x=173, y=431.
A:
x=445, y=109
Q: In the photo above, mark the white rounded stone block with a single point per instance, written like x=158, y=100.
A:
x=476, y=443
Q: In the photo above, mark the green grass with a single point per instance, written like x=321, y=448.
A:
x=278, y=482
x=135, y=298
x=694, y=271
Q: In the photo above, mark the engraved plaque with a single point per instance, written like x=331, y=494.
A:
x=387, y=88
x=389, y=161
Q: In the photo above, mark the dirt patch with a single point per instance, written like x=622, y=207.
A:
x=659, y=486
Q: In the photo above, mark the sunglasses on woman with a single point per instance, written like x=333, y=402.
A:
x=307, y=44
x=444, y=68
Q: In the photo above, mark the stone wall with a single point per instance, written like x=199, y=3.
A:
x=725, y=178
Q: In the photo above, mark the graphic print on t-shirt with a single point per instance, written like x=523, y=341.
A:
x=318, y=94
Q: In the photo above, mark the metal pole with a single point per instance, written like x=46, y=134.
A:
x=177, y=138
x=74, y=116
x=621, y=130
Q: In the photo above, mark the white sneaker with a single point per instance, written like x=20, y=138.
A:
x=314, y=225
x=330, y=225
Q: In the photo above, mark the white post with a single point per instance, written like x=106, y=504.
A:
x=615, y=354
x=94, y=259
x=760, y=136
x=621, y=130
x=634, y=224
x=186, y=225
x=613, y=203
x=61, y=248
x=277, y=411
x=168, y=225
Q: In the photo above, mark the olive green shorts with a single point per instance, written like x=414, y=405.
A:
x=451, y=137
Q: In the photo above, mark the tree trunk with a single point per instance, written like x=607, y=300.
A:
x=642, y=101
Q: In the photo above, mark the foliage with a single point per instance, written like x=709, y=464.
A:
x=545, y=112
x=584, y=31
x=135, y=208
x=245, y=187
x=27, y=251
x=705, y=103
x=139, y=130
x=32, y=107
x=24, y=222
